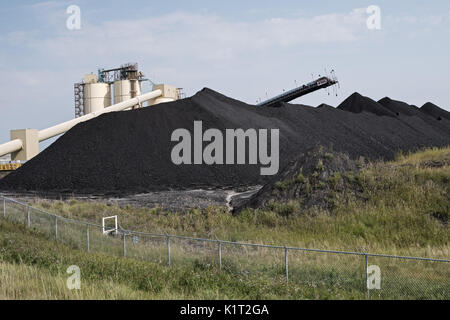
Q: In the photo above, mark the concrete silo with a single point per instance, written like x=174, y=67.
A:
x=96, y=96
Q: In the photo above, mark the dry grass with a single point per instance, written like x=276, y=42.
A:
x=402, y=207
x=20, y=281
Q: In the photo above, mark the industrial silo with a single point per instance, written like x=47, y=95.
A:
x=97, y=96
x=95, y=92
x=126, y=90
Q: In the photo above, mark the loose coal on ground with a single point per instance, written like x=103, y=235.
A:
x=130, y=152
x=167, y=200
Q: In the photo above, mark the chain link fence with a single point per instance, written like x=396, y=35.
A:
x=317, y=273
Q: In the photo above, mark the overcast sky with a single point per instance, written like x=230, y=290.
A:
x=243, y=49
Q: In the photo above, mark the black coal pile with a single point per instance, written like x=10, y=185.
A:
x=357, y=103
x=434, y=111
x=419, y=118
x=130, y=152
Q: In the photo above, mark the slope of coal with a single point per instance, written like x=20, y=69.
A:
x=324, y=105
x=418, y=119
x=434, y=111
x=357, y=103
x=130, y=152
x=399, y=107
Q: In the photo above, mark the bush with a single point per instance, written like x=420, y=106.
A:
x=300, y=178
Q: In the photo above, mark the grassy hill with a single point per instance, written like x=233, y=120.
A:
x=398, y=207
x=394, y=207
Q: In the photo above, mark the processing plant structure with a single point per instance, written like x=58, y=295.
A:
x=93, y=97
x=111, y=86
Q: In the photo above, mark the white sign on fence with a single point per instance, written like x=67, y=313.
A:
x=107, y=230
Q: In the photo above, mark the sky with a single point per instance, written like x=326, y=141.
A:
x=245, y=49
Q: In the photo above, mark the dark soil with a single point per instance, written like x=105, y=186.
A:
x=171, y=201
x=129, y=152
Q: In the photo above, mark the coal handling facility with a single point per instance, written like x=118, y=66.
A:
x=120, y=141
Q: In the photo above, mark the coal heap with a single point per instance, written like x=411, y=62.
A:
x=419, y=118
x=130, y=151
x=434, y=111
x=357, y=103
x=324, y=105
x=399, y=107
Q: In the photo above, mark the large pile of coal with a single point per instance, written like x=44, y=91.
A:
x=428, y=114
x=434, y=111
x=357, y=103
x=130, y=152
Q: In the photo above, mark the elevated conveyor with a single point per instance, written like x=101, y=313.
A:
x=321, y=83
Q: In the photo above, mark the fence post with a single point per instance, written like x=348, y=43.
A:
x=168, y=249
x=367, y=275
x=56, y=228
x=28, y=217
x=286, y=263
x=220, y=254
x=88, y=240
x=124, y=245
x=219, y=251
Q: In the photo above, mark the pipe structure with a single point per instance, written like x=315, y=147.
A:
x=163, y=100
x=11, y=146
x=17, y=144
x=66, y=126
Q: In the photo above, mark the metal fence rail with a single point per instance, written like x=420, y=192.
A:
x=360, y=275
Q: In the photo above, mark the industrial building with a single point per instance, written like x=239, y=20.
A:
x=110, y=90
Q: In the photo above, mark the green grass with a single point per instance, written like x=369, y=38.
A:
x=34, y=266
x=21, y=281
x=399, y=207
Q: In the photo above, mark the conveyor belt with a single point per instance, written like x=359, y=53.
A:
x=290, y=95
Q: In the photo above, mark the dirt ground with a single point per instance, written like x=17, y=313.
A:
x=168, y=200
